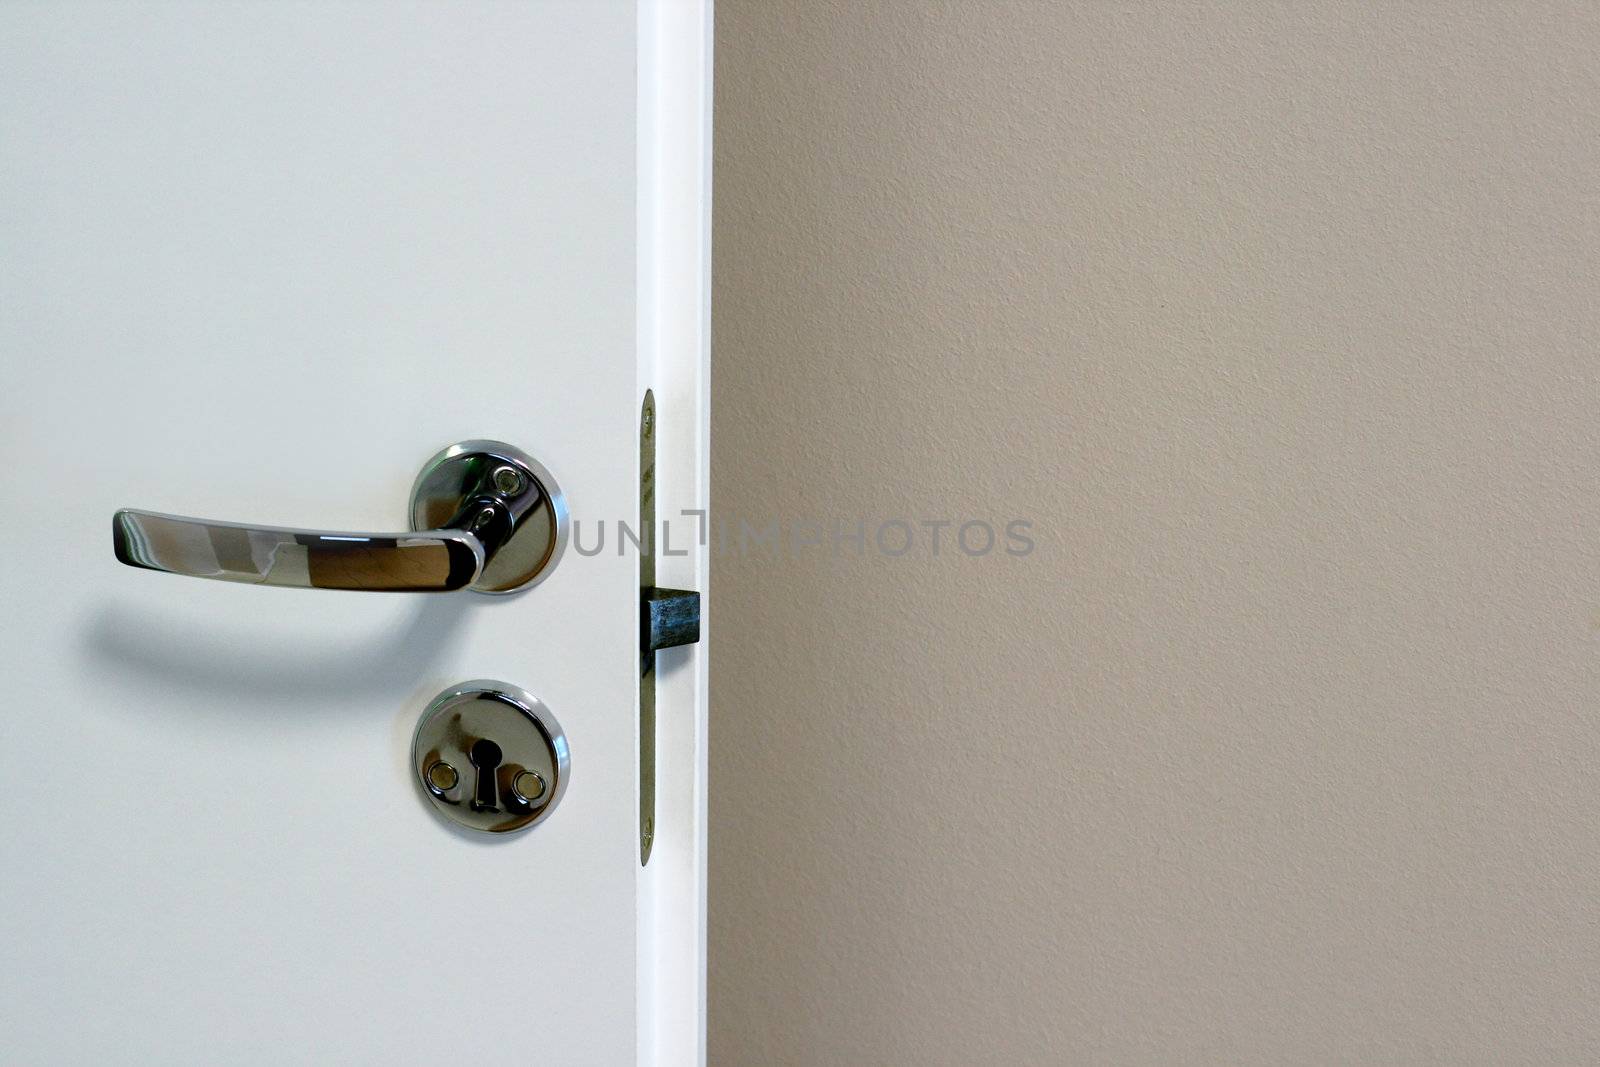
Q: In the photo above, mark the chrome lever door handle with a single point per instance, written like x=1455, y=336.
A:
x=484, y=515
x=433, y=561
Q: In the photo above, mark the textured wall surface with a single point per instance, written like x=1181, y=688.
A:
x=1281, y=322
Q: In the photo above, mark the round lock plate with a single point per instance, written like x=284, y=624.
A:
x=490, y=757
x=517, y=489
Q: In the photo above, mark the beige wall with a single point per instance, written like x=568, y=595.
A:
x=1281, y=322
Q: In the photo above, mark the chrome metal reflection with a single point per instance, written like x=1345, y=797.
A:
x=484, y=515
x=438, y=561
x=511, y=752
x=524, y=511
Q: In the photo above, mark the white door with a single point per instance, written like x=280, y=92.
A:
x=258, y=262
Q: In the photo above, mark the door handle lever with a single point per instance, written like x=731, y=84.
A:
x=484, y=515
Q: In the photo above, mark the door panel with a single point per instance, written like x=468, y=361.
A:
x=259, y=263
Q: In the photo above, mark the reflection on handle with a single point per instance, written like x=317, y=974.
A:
x=484, y=516
x=429, y=561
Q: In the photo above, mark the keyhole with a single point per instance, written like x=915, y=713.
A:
x=485, y=756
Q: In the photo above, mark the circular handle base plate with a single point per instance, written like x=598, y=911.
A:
x=519, y=492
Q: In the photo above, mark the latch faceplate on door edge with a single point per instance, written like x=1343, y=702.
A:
x=667, y=618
